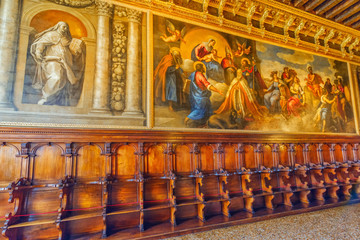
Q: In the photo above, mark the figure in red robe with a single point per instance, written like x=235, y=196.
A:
x=313, y=82
x=229, y=67
x=168, y=82
x=240, y=99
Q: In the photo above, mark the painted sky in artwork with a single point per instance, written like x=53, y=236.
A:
x=276, y=58
x=282, y=115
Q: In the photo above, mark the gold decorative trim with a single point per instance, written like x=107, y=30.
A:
x=277, y=15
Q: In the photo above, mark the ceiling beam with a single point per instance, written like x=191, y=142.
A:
x=356, y=25
x=326, y=6
x=354, y=18
x=339, y=8
x=348, y=13
x=312, y=5
x=300, y=3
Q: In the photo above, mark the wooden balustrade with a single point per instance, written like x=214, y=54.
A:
x=60, y=190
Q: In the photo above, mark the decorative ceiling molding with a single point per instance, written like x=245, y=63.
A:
x=276, y=22
x=74, y=3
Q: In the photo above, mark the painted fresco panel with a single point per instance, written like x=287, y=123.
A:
x=205, y=78
x=72, y=67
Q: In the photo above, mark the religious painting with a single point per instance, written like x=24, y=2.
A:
x=78, y=66
x=57, y=63
x=358, y=76
x=205, y=78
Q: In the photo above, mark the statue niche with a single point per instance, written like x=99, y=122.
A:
x=55, y=67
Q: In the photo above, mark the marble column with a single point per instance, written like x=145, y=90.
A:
x=10, y=21
x=101, y=96
x=133, y=104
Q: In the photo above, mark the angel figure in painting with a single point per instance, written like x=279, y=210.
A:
x=60, y=66
x=175, y=34
x=241, y=49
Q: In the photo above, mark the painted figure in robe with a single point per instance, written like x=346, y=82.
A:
x=60, y=65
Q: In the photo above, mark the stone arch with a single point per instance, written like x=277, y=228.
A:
x=34, y=10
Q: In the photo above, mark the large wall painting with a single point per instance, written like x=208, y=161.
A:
x=81, y=67
x=208, y=79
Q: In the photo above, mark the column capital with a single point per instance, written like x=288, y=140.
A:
x=104, y=8
x=133, y=15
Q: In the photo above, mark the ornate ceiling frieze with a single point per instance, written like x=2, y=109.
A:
x=275, y=21
x=74, y=3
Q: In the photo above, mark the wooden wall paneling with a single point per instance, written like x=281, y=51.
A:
x=66, y=188
x=285, y=157
x=208, y=161
x=301, y=176
x=198, y=176
x=159, y=182
x=9, y=157
x=122, y=187
x=329, y=168
x=183, y=165
x=17, y=194
x=253, y=158
x=313, y=160
x=248, y=166
x=187, y=184
x=223, y=175
x=47, y=170
x=282, y=155
x=231, y=161
x=48, y=164
x=327, y=157
x=279, y=191
x=233, y=155
x=266, y=159
x=342, y=171
x=354, y=170
x=157, y=187
x=210, y=165
x=85, y=196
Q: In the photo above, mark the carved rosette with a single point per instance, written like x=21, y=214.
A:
x=120, y=11
x=118, y=68
x=133, y=15
x=104, y=8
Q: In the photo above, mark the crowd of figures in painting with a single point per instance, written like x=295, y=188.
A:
x=208, y=79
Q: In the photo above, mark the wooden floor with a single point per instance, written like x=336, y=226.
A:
x=334, y=223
